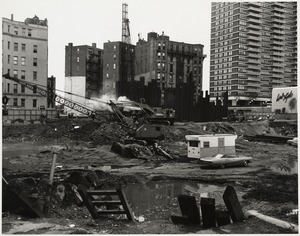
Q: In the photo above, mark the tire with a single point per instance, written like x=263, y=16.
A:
x=245, y=163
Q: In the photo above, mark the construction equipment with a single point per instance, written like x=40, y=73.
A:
x=55, y=97
x=137, y=125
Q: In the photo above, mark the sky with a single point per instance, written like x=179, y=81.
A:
x=83, y=22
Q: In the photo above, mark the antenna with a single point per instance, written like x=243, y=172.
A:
x=125, y=24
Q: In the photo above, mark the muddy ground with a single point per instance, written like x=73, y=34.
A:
x=269, y=184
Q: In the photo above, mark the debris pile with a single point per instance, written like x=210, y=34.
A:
x=107, y=133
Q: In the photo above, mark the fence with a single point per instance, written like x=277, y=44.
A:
x=181, y=99
x=28, y=114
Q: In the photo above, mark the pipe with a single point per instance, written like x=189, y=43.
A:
x=280, y=223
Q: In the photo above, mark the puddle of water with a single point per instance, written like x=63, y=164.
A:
x=158, y=200
x=290, y=168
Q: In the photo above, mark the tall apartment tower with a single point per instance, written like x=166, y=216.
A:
x=253, y=50
x=83, y=72
x=25, y=56
x=118, y=65
x=169, y=62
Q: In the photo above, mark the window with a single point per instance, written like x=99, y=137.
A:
x=8, y=45
x=77, y=59
x=34, y=61
x=35, y=48
x=34, y=103
x=107, y=76
x=77, y=68
x=34, y=75
x=15, y=103
x=114, y=65
x=22, y=88
x=114, y=57
x=8, y=28
x=8, y=59
x=23, y=74
x=34, y=88
x=8, y=88
x=22, y=102
x=23, y=61
x=193, y=143
x=115, y=47
x=23, y=31
x=206, y=144
x=15, y=90
x=15, y=46
x=77, y=50
x=29, y=32
x=16, y=73
x=16, y=30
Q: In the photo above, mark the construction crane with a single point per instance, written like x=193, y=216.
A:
x=125, y=24
x=138, y=129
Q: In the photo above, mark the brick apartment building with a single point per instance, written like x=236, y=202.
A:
x=25, y=56
x=118, y=65
x=169, y=62
x=83, y=72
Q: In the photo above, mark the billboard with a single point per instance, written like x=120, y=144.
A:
x=284, y=100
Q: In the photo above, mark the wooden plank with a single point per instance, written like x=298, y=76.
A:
x=10, y=196
x=208, y=212
x=101, y=203
x=180, y=219
x=102, y=192
x=233, y=205
x=125, y=204
x=105, y=212
x=189, y=208
x=87, y=201
x=223, y=218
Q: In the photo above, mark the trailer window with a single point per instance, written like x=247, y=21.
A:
x=206, y=144
x=193, y=143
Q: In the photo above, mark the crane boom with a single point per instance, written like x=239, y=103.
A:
x=56, y=98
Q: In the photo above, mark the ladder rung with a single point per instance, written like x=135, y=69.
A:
x=102, y=192
x=104, y=212
x=100, y=203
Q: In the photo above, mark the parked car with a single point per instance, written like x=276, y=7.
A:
x=225, y=160
x=293, y=142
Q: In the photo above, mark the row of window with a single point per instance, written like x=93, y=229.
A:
x=23, y=74
x=16, y=31
x=23, y=47
x=22, y=104
x=23, y=60
x=162, y=46
x=15, y=88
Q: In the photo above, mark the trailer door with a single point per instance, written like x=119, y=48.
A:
x=221, y=146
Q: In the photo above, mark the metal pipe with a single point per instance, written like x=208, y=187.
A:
x=280, y=223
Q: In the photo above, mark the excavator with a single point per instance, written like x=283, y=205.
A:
x=138, y=127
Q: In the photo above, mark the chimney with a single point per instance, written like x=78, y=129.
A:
x=94, y=45
x=12, y=17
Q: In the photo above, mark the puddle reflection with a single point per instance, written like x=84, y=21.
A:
x=158, y=200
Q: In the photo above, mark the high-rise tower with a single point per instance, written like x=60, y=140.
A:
x=253, y=50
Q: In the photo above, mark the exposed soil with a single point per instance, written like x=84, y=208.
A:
x=268, y=185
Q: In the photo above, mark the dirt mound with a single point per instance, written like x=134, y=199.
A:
x=100, y=133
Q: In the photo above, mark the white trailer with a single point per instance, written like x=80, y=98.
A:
x=209, y=144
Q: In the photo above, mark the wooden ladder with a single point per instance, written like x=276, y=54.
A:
x=91, y=204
